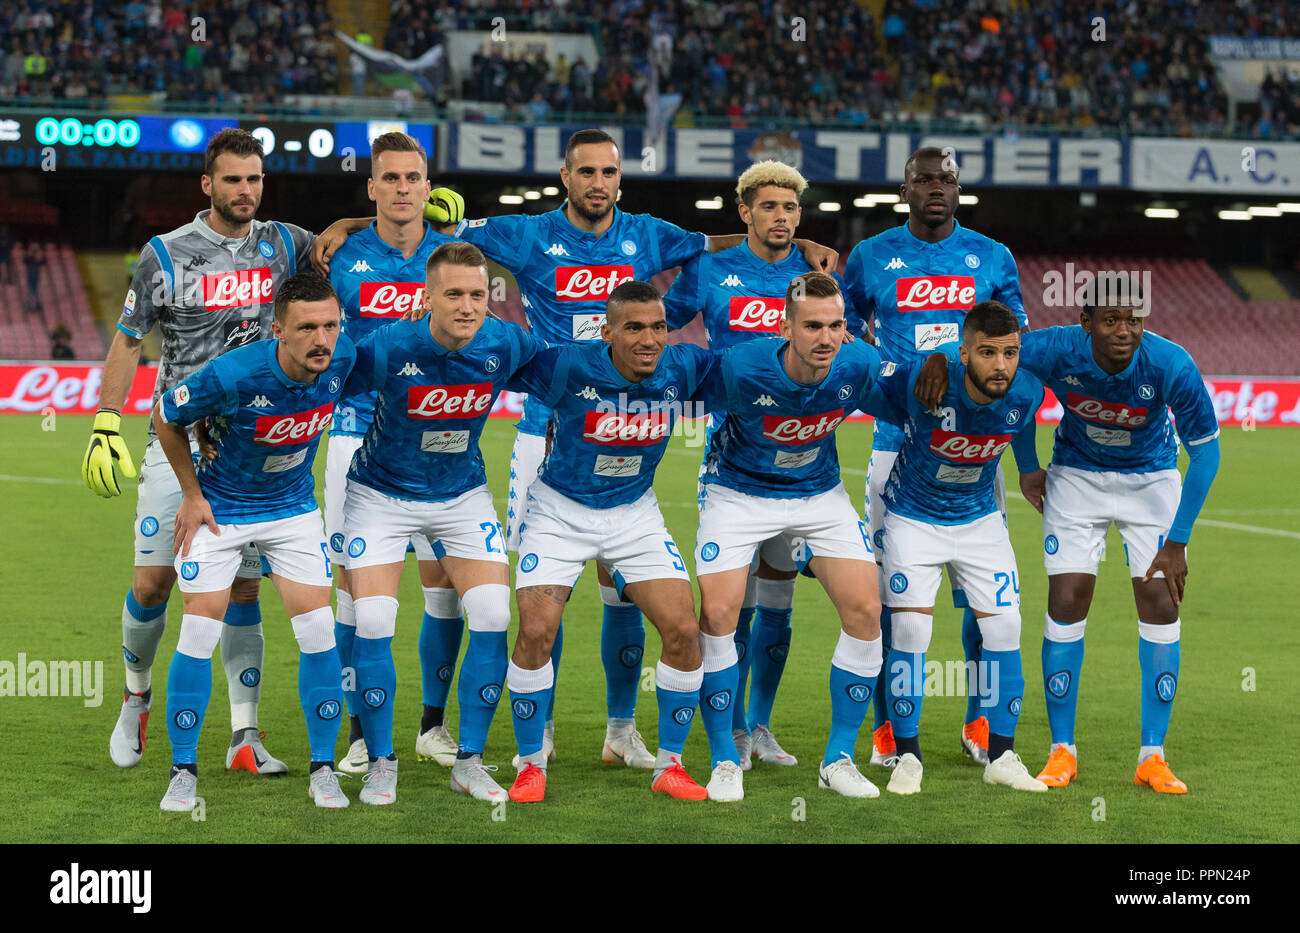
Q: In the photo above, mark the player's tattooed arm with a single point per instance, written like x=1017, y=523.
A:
x=204, y=437
x=332, y=238
x=1171, y=560
x=1033, y=486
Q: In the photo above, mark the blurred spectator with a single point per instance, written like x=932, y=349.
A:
x=6, y=255
x=61, y=343
x=34, y=260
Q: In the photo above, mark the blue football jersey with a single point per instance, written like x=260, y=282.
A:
x=1120, y=423
x=945, y=470
x=565, y=276
x=376, y=286
x=266, y=428
x=610, y=433
x=778, y=439
x=917, y=294
x=430, y=406
x=740, y=295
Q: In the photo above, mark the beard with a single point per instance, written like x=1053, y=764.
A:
x=990, y=390
x=589, y=215
x=226, y=211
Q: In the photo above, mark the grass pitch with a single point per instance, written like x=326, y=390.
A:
x=67, y=566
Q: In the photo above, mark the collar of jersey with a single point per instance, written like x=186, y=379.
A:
x=272, y=346
x=607, y=360
x=918, y=243
x=751, y=258
x=372, y=234
x=437, y=349
x=566, y=225
x=966, y=400
x=229, y=242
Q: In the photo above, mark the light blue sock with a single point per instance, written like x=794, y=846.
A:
x=439, y=648
x=530, y=695
x=557, y=649
x=1159, y=660
x=906, y=672
x=738, y=718
x=376, y=677
x=345, y=635
x=849, y=695
x=1003, y=706
x=678, y=693
x=482, y=676
x=320, y=691
x=189, y=688
x=972, y=643
x=622, y=645
x=1062, y=663
x=770, y=644
x=717, y=692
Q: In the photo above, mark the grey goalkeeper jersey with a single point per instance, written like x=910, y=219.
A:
x=209, y=293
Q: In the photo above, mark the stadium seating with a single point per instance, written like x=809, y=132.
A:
x=26, y=335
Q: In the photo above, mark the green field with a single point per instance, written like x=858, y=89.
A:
x=67, y=566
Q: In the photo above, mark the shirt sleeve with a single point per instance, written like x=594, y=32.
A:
x=889, y=396
x=1037, y=351
x=202, y=395
x=684, y=299
x=1024, y=445
x=1196, y=486
x=500, y=238
x=537, y=376
x=147, y=296
x=855, y=288
x=711, y=393
x=677, y=247
x=1190, y=401
x=302, y=241
x=1007, y=290
x=525, y=346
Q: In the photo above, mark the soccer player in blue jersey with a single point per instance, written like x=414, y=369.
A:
x=941, y=511
x=740, y=292
x=379, y=274
x=614, y=405
x=772, y=473
x=420, y=472
x=916, y=282
x=566, y=263
x=1115, y=459
x=268, y=403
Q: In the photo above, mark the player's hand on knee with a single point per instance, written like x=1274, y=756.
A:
x=194, y=511
x=106, y=451
x=1171, y=560
x=1033, y=486
x=932, y=383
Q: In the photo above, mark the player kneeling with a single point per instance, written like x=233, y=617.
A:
x=269, y=403
x=614, y=405
x=419, y=472
x=773, y=470
x=940, y=510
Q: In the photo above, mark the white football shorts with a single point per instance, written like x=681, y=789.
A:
x=158, y=496
x=1081, y=504
x=378, y=526
x=558, y=536
x=978, y=555
x=338, y=458
x=294, y=547
x=525, y=462
x=733, y=524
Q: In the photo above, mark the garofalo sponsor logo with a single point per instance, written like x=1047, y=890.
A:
x=79, y=885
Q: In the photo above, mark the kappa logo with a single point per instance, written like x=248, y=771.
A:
x=683, y=715
x=903, y=707
x=720, y=701
x=329, y=709
x=732, y=281
x=490, y=693
x=361, y=266
x=556, y=250
x=1072, y=381
x=523, y=708
x=588, y=393
x=895, y=263
x=765, y=400
x=410, y=369
x=858, y=693
x=630, y=656
x=374, y=697
x=196, y=261
x=250, y=677
x=186, y=719
x=445, y=672
x=1058, y=685
x=1166, y=686
x=260, y=401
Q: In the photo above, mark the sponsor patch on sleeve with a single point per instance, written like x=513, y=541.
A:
x=181, y=394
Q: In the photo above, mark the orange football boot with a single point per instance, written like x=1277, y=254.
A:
x=882, y=740
x=529, y=786
x=1061, y=768
x=976, y=734
x=679, y=785
x=1155, y=773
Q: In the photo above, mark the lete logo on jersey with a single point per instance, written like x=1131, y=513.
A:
x=242, y=289
x=640, y=430
x=462, y=401
x=935, y=293
x=589, y=283
x=1108, y=413
x=390, y=299
x=755, y=315
x=968, y=448
x=802, y=429
x=293, y=429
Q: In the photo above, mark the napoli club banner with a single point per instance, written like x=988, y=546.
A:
x=73, y=389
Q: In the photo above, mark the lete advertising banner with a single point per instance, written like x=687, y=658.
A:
x=73, y=389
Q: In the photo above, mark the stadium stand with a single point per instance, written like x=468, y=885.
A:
x=25, y=334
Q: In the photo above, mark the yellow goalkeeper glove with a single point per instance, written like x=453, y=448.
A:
x=106, y=448
x=444, y=207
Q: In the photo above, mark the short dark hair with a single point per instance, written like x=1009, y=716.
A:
x=586, y=138
x=235, y=141
x=396, y=142
x=305, y=286
x=925, y=152
x=990, y=318
x=455, y=253
x=630, y=292
x=810, y=285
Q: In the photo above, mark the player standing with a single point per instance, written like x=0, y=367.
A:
x=420, y=474
x=210, y=286
x=614, y=405
x=773, y=474
x=1115, y=459
x=741, y=293
x=379, y=274
x=268, y=402
x=916, y=282
x=941, y=510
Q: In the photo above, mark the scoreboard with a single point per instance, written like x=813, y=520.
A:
x=154, y=141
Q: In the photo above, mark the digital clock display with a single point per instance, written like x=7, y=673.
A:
x=70, y=131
